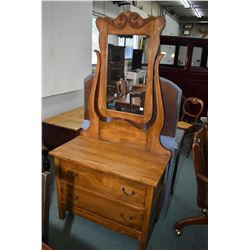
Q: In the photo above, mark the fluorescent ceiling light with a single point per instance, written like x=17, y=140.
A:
x=185, y=3
x=197, y=12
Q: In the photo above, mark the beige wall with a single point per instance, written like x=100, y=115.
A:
x=66, y=54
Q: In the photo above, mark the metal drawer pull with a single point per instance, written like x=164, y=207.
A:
x=128, y=194
x=74, y=198
x=71, y=173
x=126, y=219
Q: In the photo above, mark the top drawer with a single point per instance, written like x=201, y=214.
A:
x=109, y=186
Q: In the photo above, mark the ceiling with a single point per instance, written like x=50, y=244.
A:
x=182, y=14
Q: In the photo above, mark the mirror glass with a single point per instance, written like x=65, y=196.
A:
x=127, y=62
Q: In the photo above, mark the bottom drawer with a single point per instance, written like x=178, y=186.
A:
x=98, y=205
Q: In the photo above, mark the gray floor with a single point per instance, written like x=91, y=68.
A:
x=75, y=233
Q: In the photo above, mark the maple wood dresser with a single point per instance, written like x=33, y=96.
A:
x=113, y=172
x=118, y=187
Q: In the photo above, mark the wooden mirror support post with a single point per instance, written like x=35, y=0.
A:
x=113, y=172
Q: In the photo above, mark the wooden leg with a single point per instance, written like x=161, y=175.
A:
x=191, y=221
x=175, y=170
x=190, y=146
x=61, y=210
x=45, y=239
x=45, y=159
x=146, y=222
x=143, y=245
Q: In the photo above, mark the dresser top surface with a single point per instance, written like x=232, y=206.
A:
x=130, y=163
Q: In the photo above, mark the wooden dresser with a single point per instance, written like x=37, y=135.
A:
x=118, y=187
x=113, y=172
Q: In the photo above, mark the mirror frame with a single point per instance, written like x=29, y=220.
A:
x=129, y=23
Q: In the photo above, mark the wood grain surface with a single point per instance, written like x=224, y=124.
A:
x=71, y=119
x=113, y=172
x=127, y=162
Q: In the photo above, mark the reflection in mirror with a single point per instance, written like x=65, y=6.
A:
x=127, y=62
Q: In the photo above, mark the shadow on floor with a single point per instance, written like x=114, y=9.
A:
x=61, y=238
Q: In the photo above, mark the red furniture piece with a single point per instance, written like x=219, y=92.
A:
x=200, y=157
x=190, y=76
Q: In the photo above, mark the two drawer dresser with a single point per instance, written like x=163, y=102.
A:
x=113, y=172
x=117, y=187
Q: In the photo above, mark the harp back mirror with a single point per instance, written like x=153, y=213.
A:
x=126, y=73
x=128, y=48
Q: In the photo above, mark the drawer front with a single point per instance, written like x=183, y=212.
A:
x=122, y=214
x=110, y=186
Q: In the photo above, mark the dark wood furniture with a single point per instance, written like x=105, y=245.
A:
x=192, y=80
x=124, y=103
x=191, y=110
x=133, y=96
x=45, y=159
x=200, y=157
x=46, y=247
x=131, y=102
x=62, y=128
x=122, y=88
x=45, y=205
x=116, y=56
x=113, y=172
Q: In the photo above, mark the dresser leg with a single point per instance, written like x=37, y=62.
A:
x=61, y=210
x=143, y=245
x=146, y=220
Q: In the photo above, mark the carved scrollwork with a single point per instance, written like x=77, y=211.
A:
x=136, y=21
x=120, y=22
x=128, y=18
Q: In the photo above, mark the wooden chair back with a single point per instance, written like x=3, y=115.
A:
x=192, y=108
x=172, y=96
x=121, y=88
x=140, y=95
x=200, y=157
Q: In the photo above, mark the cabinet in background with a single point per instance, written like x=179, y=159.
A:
x=116, y=57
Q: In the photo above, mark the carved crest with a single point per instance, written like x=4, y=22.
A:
x=127, y=19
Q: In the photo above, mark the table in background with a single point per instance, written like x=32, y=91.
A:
x=62, y=128
x=123, y=102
